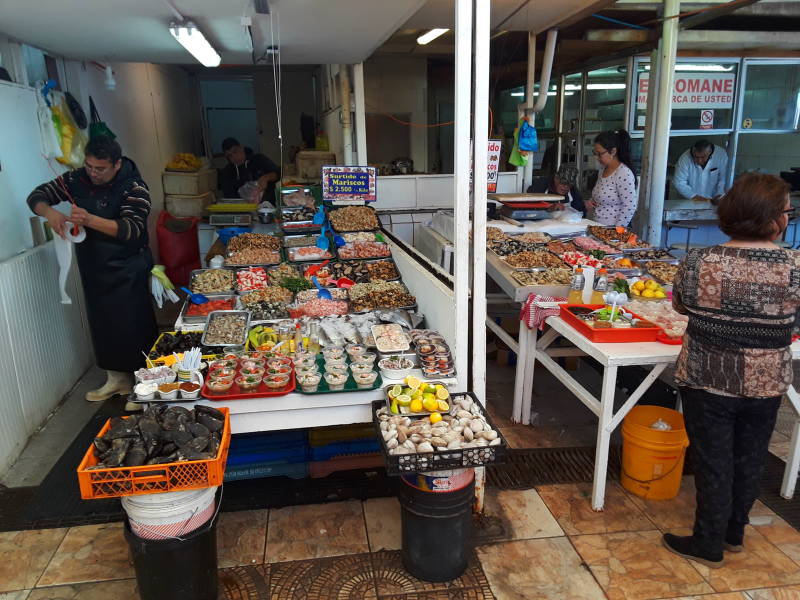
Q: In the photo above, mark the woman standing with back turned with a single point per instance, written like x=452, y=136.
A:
x=735, y=363
x=614, y=195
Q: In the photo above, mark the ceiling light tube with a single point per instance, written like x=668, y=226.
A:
x=706, y=68
x=191, y=38
x=426, y=38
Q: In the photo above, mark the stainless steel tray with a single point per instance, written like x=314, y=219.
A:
x=315, y=259
x=387, y=257
x=218, y=313
x=202, y=318
x=194, y=273
x=513, y=268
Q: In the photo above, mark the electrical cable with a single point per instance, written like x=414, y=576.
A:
x=618, y=22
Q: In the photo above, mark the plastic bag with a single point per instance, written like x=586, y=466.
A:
x=528, y=139
x=569, y=215
x=73, y=139
x=251, y=192
x=51, y=142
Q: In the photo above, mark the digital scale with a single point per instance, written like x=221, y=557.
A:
x=526, y=207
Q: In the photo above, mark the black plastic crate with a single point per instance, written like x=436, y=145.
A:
x=423, y=462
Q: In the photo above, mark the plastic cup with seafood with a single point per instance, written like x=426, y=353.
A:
x=304, y=356
x=220, y=386
x=365, y=380
x=355, y=350
x=309, y=382
x=357, y=368
x=335, y=381
x=333, y=352
x=250, y=363
x=279, y=361
x=223, y=363
x=276, y=382
x=368, y=358
x=254, y=371
x=224, y=373
x=336, y=368
x=248, y=383
x=305, y=362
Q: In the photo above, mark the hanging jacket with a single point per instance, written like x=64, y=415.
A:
x=255, y=165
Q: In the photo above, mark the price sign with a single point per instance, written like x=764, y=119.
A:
x=492, y=165
x=349, y=185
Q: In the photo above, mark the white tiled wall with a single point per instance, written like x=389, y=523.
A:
x=768, y=152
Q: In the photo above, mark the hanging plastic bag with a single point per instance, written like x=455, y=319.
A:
x=251, y=192
x=73, y=140
x=161, y=287
x=98, y=127
x=515, y=158
x=51, y=142
x=528, y=139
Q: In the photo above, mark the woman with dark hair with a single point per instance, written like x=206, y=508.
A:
x=614, y=196
x=735, y=364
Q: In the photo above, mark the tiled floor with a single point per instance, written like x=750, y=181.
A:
x=553, y=547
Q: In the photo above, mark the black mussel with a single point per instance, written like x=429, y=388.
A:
x=213, y=446
x=210, y=411
x=170, y=422
x=210, y=422
x=136, y=454
x=159, y=460
x=124, y=428
x=179, y=410
x=154, y=411
x=168, y=448
x=101, y=446
x=189, y=454
x=119, y=448
x=177, y=437
x=199, y=430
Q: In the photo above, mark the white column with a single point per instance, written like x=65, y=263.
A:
x=666, y=79
x=529, y=102
x=461, y=199
x=347, y=120
x=481, y=137
x=361, y=121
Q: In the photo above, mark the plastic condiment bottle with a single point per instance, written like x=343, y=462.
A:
x=298, y=338
x=600, y=287
x=575, y=295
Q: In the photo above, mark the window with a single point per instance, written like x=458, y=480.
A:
x=771, y=97
x=605, y=99
x=572, y=103
x=702, y=97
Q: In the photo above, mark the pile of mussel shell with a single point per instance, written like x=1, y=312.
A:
x=160, y=435
x=508, y=247
x=464, y=427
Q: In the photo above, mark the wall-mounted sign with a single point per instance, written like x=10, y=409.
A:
x=492, y=165
x=694, y=90
x=747, y=123
x=707, y=119
x=349, y=185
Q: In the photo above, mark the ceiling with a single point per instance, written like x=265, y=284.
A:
x=311, y=31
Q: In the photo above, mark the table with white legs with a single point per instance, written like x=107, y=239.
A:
x=657, y=356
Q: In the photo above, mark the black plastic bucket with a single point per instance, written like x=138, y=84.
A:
x=171, y=569
x=437, y=528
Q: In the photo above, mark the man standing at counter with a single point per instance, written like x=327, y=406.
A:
x=701, y=171
x=244, y=166
x=112, y=203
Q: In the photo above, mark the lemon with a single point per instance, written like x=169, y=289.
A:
x=403, y=400
x=650, y=284
x=443, y=406
x=416, y=406
x=423, y=387
x=638, y=286
x=412, y=382
x=430, y=403
x=659, y=294
x=395, y=391
x=442, y=393
x=435, y=417
x=648, y=294
x=408, y=391
x=394, y=408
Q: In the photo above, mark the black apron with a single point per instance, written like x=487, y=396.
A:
x=116, y=284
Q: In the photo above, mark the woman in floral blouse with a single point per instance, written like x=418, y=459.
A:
x=735, y=365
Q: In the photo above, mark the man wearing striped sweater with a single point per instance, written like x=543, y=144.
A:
x=111, y=202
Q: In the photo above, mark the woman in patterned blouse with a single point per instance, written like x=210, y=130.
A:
x=735, y=364
x=614, y=196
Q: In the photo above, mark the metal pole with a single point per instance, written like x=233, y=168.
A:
x=669, y=47
x=527, y=173
x=479, y=187
x=347, y=121
x=361, y=121
x=461, y=197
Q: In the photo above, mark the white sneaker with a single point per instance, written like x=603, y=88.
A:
x=116, y=383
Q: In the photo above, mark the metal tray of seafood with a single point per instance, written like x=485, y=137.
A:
x=421, y=462
x=268, y=264
x=563, y=264
x=388, y=256
x=376, y=229
x=295, y=306
x=388, y=402
x=548, y=237
x=375, y=260
x=515, y=197
x=315, y=259
x=672, y=260
x=311, y=242
x=218, y=313
x=196, y=272
x=202, y=318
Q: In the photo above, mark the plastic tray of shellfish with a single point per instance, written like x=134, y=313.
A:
x=465, y=438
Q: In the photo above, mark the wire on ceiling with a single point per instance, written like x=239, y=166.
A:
x=617, y=21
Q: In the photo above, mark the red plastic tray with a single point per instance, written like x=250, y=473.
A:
x=527, y=205
x=629, y=334
x=670, y=341
x=261, y=392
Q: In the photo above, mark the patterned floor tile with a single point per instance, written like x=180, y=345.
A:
x=241, y=538
x=393, y=580
x=316, y=531
x=383, y=523
x=104, y=590
x=338, y=578
x=18, y=595
x=541, y=569
x=671, y=514
x=522, y=513
x=791, y=592
x=244, y=583
x=722, y=596
x=90, y=553
x=25, y=556
x=571, y=504
x=776, y=530
x=635, y=566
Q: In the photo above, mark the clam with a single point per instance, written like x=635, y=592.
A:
x=401, y=435
x=437, y=441
x=389, y=435
x=476, y=425
x=425, y=447
x=489, y=435
x=464, y=414
x=480, y=442
x=401, y=450
x=393, y=443
x=416, y=438
x=454, y=444
x=468, y=435
x=495, y=442
x=409, y=445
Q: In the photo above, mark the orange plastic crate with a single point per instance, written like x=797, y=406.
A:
x=153, y=479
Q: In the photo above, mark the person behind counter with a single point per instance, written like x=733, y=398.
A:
x=614, y=196
x=244, y=166
x=112, y=203
x=562, y=182
x=735, y=364
x=701, y=171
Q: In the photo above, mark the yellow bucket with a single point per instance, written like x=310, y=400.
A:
x=652, y=459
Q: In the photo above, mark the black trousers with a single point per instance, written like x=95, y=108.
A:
x=728, y=441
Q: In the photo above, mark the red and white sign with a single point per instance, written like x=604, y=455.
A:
x=493, y=165
x=694, y=90
x=707, y=119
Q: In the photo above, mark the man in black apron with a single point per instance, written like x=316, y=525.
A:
x=112, y=203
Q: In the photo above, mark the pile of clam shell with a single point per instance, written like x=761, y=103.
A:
x=465, y=427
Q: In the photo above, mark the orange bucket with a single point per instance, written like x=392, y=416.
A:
x=652, y=459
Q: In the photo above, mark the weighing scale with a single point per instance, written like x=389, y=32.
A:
x=526, y=207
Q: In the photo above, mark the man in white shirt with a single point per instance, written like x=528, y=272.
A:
x=701, y=171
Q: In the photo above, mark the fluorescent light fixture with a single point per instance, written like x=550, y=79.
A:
x=534, y=93
x=706, y=68
x=426, y=38
x=596, y=86
x=191, y=38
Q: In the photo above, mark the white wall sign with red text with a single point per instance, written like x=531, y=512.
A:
x=694, y=90
x=707, y=118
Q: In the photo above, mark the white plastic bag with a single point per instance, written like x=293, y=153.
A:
x=569, y=215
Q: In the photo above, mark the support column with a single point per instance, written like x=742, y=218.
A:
x=361, y=120
x=530, y=82
x=666, y=79
x=347, y=119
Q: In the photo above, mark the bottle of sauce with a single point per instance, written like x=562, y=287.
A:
x=600, y=287
x=575, y=295
x=313, y=338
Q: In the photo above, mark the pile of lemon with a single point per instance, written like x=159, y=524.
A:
x=417, y=396
x=184, y=161
x=648, y=289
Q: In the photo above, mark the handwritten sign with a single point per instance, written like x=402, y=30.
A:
x=349, y=185
x=694, y=90
x=492, y=165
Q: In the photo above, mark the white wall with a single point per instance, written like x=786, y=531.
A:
x=400, y=85
x=154, y=111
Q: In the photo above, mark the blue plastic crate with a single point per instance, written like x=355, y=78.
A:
x=271, y=447
x=362, y=446
x=259, y=470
